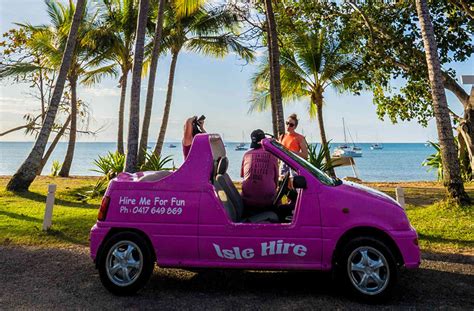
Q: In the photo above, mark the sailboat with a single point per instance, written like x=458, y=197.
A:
x=376, y=146
x=347, y=150
x=241, y=146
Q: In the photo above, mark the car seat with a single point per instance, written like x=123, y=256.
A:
x=232, y=200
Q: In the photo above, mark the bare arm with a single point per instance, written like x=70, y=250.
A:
x=304, y=148
x=188, y=132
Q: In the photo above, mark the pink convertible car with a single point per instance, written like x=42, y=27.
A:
x=192, y=218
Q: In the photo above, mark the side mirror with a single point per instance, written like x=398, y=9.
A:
x=299, y=182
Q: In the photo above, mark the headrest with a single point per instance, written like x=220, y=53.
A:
x=222, y=166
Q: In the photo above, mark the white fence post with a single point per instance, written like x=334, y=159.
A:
x=48, y=212
x=400, y=195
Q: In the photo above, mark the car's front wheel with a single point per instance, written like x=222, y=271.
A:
x=125, y=263
x=367, y=268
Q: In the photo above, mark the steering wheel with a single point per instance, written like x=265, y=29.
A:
x=282, y=189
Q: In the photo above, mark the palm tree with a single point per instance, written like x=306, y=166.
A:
x=206, y=31
x=311, y=63
x=155, y=53
x=131, y=163
x=274, y=67
x=185, y=7
x=120, y=17
x=87, y=61
x=26, y=174
x=452, y=174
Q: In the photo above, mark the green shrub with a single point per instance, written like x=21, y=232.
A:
x=317, y=157
x=55, y=168
x=110, y=165
x=434, y=162
x=154, y=162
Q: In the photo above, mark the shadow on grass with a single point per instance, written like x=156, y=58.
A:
x=20, y=216
x=437, y=239
x=38, y=197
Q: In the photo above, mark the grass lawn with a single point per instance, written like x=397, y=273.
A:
x=21, y=215
x=441, y=227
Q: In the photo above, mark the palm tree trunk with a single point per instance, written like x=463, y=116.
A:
x=134, y=121
x=272, y=88
x=318, y=101
x=53, y=144
x=151, y=83
x=274, y=59
x=123, y=93
x=66, y=167
x=42, y=97
x=26, y=174
x=452, y=176
x=166, y=112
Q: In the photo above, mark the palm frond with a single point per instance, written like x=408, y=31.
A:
x=18, y=69
x=186, y=7
x=219, y=46
x=96, y=75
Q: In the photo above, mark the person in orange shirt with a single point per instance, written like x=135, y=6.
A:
x=293, y=141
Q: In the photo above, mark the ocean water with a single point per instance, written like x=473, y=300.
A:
x=396, y=162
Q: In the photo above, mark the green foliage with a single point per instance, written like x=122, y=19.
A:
x=55, y=168
x=386, y=36
x=317, y=157
x=154, y=162
x=434, y=162
x=47, y=43
x=311, y=59
x=98, y=190
x=211, y=31
x=388, y=39
x=110, y=165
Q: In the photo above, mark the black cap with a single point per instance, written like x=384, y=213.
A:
x=256, y=137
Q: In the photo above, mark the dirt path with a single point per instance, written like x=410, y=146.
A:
x=38, y=278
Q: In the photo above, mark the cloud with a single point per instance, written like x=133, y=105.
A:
x=102, y=91
x=17, y=105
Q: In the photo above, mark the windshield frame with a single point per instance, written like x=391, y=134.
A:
x=320, y=175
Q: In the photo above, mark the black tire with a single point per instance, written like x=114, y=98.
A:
x=377, y=251
x=138, y=263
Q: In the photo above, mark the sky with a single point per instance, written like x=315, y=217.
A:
x=217, y=88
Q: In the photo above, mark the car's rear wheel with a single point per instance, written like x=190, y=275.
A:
x=367, y=268
x=125, y=263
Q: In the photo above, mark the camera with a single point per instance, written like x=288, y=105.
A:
x=197, y=125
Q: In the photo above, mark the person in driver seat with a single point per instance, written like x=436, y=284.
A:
x=260, y=176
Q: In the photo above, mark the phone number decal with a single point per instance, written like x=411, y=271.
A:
x=145, y=210
x=160, y=206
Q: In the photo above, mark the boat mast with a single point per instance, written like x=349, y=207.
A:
x=344, y=127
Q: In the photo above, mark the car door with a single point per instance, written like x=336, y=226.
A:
x=224, y=243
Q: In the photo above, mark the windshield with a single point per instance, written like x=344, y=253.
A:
x=320, y=175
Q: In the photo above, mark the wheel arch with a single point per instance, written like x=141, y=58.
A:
x=116, y=230
x=371, y=232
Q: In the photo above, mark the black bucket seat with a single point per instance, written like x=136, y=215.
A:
x=232, y=200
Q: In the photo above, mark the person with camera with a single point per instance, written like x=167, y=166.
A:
x=192, y=127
